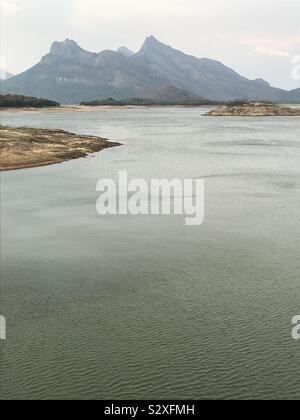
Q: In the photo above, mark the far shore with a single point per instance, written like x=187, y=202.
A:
x=63, y=108
x=30, y=147
x=95, y=108
x=89, y=108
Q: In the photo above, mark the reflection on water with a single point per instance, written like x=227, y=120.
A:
x=145, y=307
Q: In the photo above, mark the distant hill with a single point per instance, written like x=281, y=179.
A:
x=172, y=93
x=69, y=74
x=4, y=75
x=293, y=96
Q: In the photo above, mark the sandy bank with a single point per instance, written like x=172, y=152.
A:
x=71, y=108
x=88, y=108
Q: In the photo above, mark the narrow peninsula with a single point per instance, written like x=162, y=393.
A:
x=30, y=147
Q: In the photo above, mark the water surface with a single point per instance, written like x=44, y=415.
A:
x=145, y=307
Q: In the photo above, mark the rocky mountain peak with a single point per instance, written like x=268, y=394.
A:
x=67, y=48
x=152, y=43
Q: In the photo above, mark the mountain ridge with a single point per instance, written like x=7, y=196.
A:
x=70, y=74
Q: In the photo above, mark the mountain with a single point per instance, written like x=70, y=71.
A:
x=4, y=75
x=293, y=96
x=72, y=75
x=125, y=51
x=172, y=93
x=205, y=77
x=69, y=74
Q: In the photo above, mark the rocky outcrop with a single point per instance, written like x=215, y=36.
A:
x=254, y=109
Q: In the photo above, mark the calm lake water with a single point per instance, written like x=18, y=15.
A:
x=145, y=307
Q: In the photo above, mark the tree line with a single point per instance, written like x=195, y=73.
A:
x=20, y=101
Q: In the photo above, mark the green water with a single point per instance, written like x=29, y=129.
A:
x=145, y=307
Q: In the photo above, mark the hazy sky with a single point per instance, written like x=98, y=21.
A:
x=258, y=38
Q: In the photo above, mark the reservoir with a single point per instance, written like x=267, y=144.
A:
x=145, y=307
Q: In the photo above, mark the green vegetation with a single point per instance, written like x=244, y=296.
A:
x=20, y=101
x=149, y=102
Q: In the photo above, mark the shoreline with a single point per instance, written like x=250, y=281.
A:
x=98, y=108
x=24, y=148
x=89, y=108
